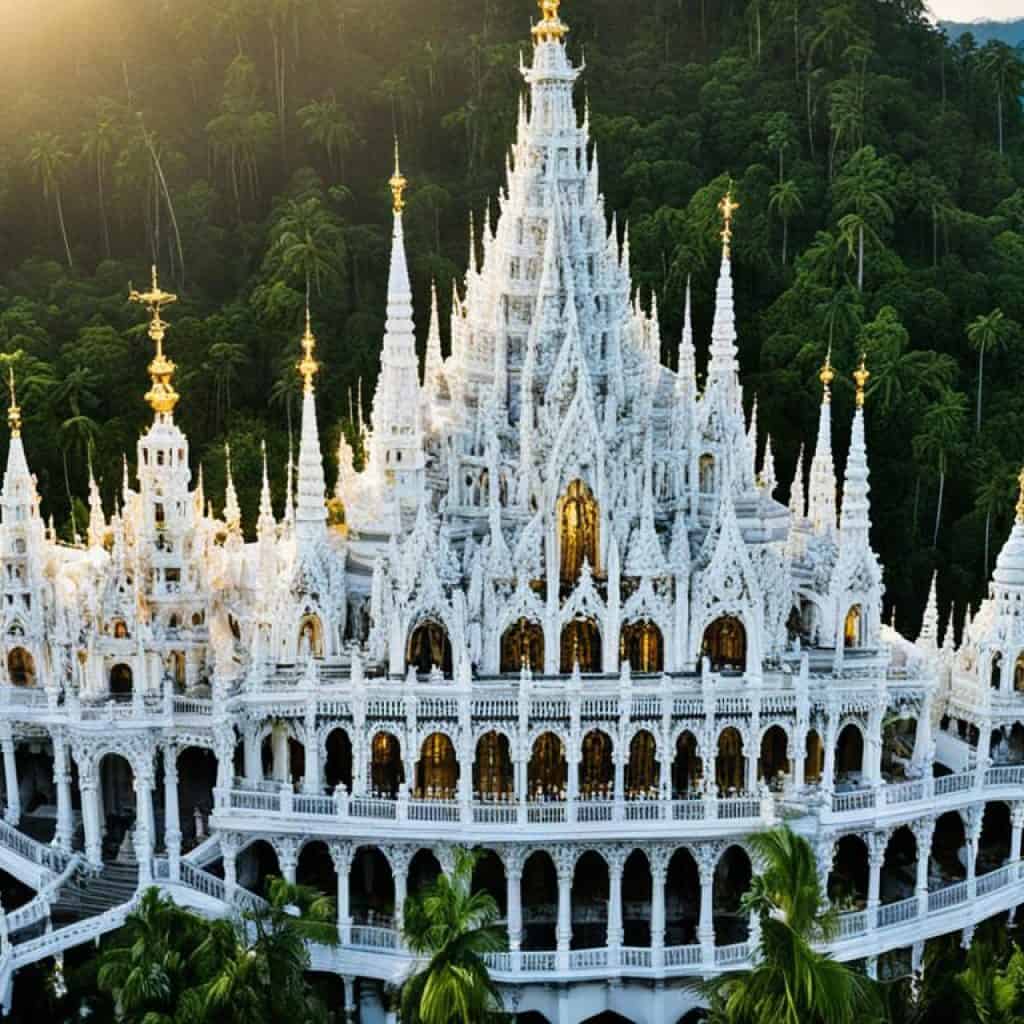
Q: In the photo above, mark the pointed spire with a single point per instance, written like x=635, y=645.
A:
x=199, y=495
x=398, y=184
x=473, y=268
x=97, y=521
x=551, y=28
x=928, y=637
x=311, y=508
x=125, y=487
x=232, y=511
x=724, y=363
x=289, y=493
x=434, y=359
x=266, y=522
x=856, y=519
x=13, y=410
x=768, y=477
x=19, y=498
x=797, y=498
x=161, y=396
x=752, y=438
x=822, y=510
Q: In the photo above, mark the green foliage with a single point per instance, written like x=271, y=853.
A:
x=879, y=168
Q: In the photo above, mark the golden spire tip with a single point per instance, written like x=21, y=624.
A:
x=14, y=410
x=861, y=376
x=551, y=28
x=827, y=375
x=308, y=367
x=161, y=396
x=1020, y=500
x=727, y=207
x=398, y=184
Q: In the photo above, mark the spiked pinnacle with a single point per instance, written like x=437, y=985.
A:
x=727, y=207
x=551, y=28
x=827, y=376
x=308, y=367
x=398, y=184
x=161, y=396
x=861, y=376
x=13, y=410
x=1020, y=500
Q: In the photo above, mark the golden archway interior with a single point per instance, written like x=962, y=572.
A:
x=581, y=643
x=311, y=636
x=814, y=758
x=579, y=531
x=437, y=773
x=643, y=772
x=1018, y=672
x=725, y=644
x=429, y=648
x=387, y=773
x=774, y=754
x=492, y=770
x=522, y=646
x=687, y=768
x=851, y=628
x=597, y=773
x=21, y=667
x=730, y=765
x=548, y=771
x=642, y=645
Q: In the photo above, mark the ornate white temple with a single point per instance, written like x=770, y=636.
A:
x=559, y=616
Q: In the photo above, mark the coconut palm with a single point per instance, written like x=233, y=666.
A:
x=991, y=332
x=451, y=927
x=792, y=983
x=49, y=160
x=941, y=433
x=996, y=492
x=98, y=143
x=863, y=193
x=309, y=243
x=785, y=200
x=327, y=125
x=1004, y=71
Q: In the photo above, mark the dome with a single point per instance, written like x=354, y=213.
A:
x=1009, y=571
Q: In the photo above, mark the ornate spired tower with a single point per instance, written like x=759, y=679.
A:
x=311, y=508
x=396, y=442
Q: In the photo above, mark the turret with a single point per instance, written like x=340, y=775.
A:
x=822, y=510
x=311, y=506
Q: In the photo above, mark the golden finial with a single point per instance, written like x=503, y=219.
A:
x=827, y=375
x=308, y=367
x=14, y=410
x=551, y=28
x=727, y=207
x=1020, y=500
x=861, y=376
x=161, y=396
x=398, y=185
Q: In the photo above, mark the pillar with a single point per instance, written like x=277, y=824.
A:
x=90, y=817
x=13, y=813
x=619, y=789
x=400, y=868
x=253, y=766
x=566, y=867
x=798, y=758
x=279, y=746
x=311, y=783
x=659, y=872
x=616, y=933
x=350, y=998
x=1016, y=829
x=514, y=899
x=876, y=858
x=172, y=821
x=143, y=825
x=706, y=864
x=828, y=779
x=287, y=858
x=229, y=852
x=923, y=836
x=62, y=777
x=342, y=854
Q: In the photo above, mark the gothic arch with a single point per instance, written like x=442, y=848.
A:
x=522, y=646
x=430, y=647
x=725, y=643
x=642, y=644
x=578, y=518
x=581, y=644
x=21, y=667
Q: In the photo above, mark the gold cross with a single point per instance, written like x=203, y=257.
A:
x=727, y=207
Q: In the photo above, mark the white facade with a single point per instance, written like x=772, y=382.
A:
x=567, y=623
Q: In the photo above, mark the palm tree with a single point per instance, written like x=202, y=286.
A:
x=49, y=160
x=452, y=927
x=97, y=146
x=260, y=975
x=781, y=136
x=1003, y=69
x=996, y=492
x=226, y=357
x=152, y=963
x=988, y=333
x=792, y=983
x=78, y=432
x=991, y=992
x=327, y=125
x=862, y=191
x=785, y=200
x=842, y=313
x=942, y=429
x=309, y=242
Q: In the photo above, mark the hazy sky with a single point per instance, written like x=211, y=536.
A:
x=971, y=10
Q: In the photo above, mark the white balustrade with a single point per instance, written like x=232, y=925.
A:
x=683, y=956
x=365, y=936
x=853, y=923
x=890, y=914
x=737, y=953
x=994, y=880
x=588, y=959
x=949, y=896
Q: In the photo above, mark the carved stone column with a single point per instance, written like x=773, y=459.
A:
x=287, y=857
x=172, y=822
x=923, y=831
x=13, y=812
x=342, y=854
x=514, y=897
x=62, y=777
x=659, y=873
x=707, y=859
x=616, y=860
x=566, y=864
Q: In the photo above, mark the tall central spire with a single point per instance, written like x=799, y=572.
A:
x=311, y=508
x=822, y=510
x=161, y=396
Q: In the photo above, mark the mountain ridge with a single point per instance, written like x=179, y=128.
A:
x=1007, y=31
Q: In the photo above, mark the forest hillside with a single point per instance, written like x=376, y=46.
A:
x=245, y=146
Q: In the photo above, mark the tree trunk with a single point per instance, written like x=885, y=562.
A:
x=938, y=508
x=988, y=531
x=981, y=380
x=999, y=115
x=785, y=240
x=63, y=227
x=917, y=504
x=103, y=205
x=170, y=204
x=860, y=259
x=935, y=237
x=71, y=500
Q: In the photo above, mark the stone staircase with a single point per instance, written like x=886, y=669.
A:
x=90, y=895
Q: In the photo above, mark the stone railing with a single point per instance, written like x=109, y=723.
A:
x=51, y=858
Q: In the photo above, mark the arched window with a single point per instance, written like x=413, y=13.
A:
x=725, y=644
x=429, y=648
x=547, y=772
x=852, y=627
x=493, y=777
x=522, y=646
x=120, y=630
x=581, y=644
x=437, y=773
x=579, y=525
x=687, y=768
x=641, y=644
x=311, y=637
x=814, y=757
x=996, y=676
x=730, y=765
x=642, y=772
x=1018, y=673
x=21, y=667
x=387, y=773
x=707, y=474
x=596, y=772
x=121, y=681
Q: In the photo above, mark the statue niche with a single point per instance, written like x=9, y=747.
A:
x=579, y=524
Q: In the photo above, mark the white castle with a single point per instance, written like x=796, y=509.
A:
x=565, y=621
